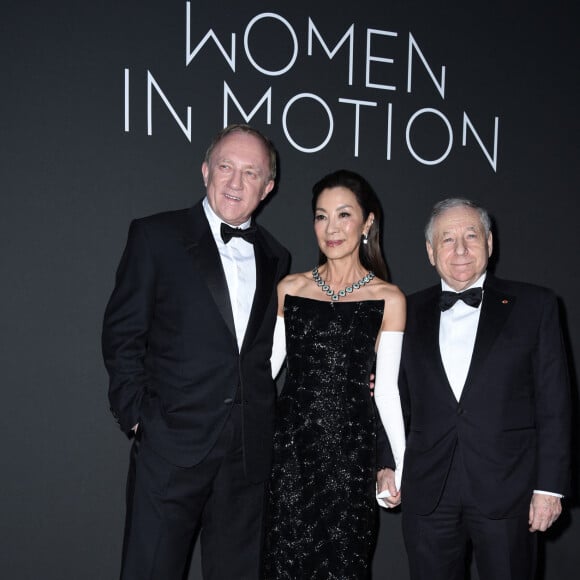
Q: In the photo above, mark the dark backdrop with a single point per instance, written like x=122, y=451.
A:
x=77, y=165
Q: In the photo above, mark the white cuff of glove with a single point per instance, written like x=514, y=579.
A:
x=380, y=499
x=388, y=400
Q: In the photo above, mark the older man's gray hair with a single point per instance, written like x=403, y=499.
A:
x=449, y=203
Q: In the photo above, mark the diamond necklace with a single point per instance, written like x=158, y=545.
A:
x=341, y=293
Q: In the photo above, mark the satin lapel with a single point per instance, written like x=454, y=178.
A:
x=429, y=317
x=265, y=280
x=201, y=246
x=495, y=310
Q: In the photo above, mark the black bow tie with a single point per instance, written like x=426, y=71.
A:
x=249, y=234
x=471, y=297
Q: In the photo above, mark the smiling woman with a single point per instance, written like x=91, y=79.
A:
x=339, y=222
x=325, y=441
x=360, y=195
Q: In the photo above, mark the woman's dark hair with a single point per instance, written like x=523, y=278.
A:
x=370, y=254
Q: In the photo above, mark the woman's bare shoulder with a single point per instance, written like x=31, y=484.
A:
x=395, y=305
x=388, y=292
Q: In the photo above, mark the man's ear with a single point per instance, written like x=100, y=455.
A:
x=269, y=187
x=430, y=252
x=489, y=244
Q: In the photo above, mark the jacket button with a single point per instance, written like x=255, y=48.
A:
x=460, y=411
x=228, y=401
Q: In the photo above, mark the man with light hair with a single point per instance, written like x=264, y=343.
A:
x=485, y=388
x=187, y=340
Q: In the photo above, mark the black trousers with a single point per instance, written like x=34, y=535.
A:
x=437, y=543
x=167, y=505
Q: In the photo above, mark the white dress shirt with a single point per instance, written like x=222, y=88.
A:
x=457, y=330
x=239, y=266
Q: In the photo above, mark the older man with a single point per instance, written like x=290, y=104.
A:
x=484, y=383
x=187, y=341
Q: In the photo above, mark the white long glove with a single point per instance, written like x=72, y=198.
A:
x=278, y=346
x=388, y=400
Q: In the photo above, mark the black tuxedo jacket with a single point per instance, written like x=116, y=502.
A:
x=169, y=341
x=512, y=422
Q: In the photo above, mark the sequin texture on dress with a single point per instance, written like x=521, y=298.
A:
x=321, y=515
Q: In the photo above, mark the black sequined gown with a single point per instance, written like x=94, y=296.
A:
x=321, y=504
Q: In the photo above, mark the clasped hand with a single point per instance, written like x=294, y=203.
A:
x=386, y=481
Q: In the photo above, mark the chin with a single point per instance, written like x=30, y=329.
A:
x=233, y=217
